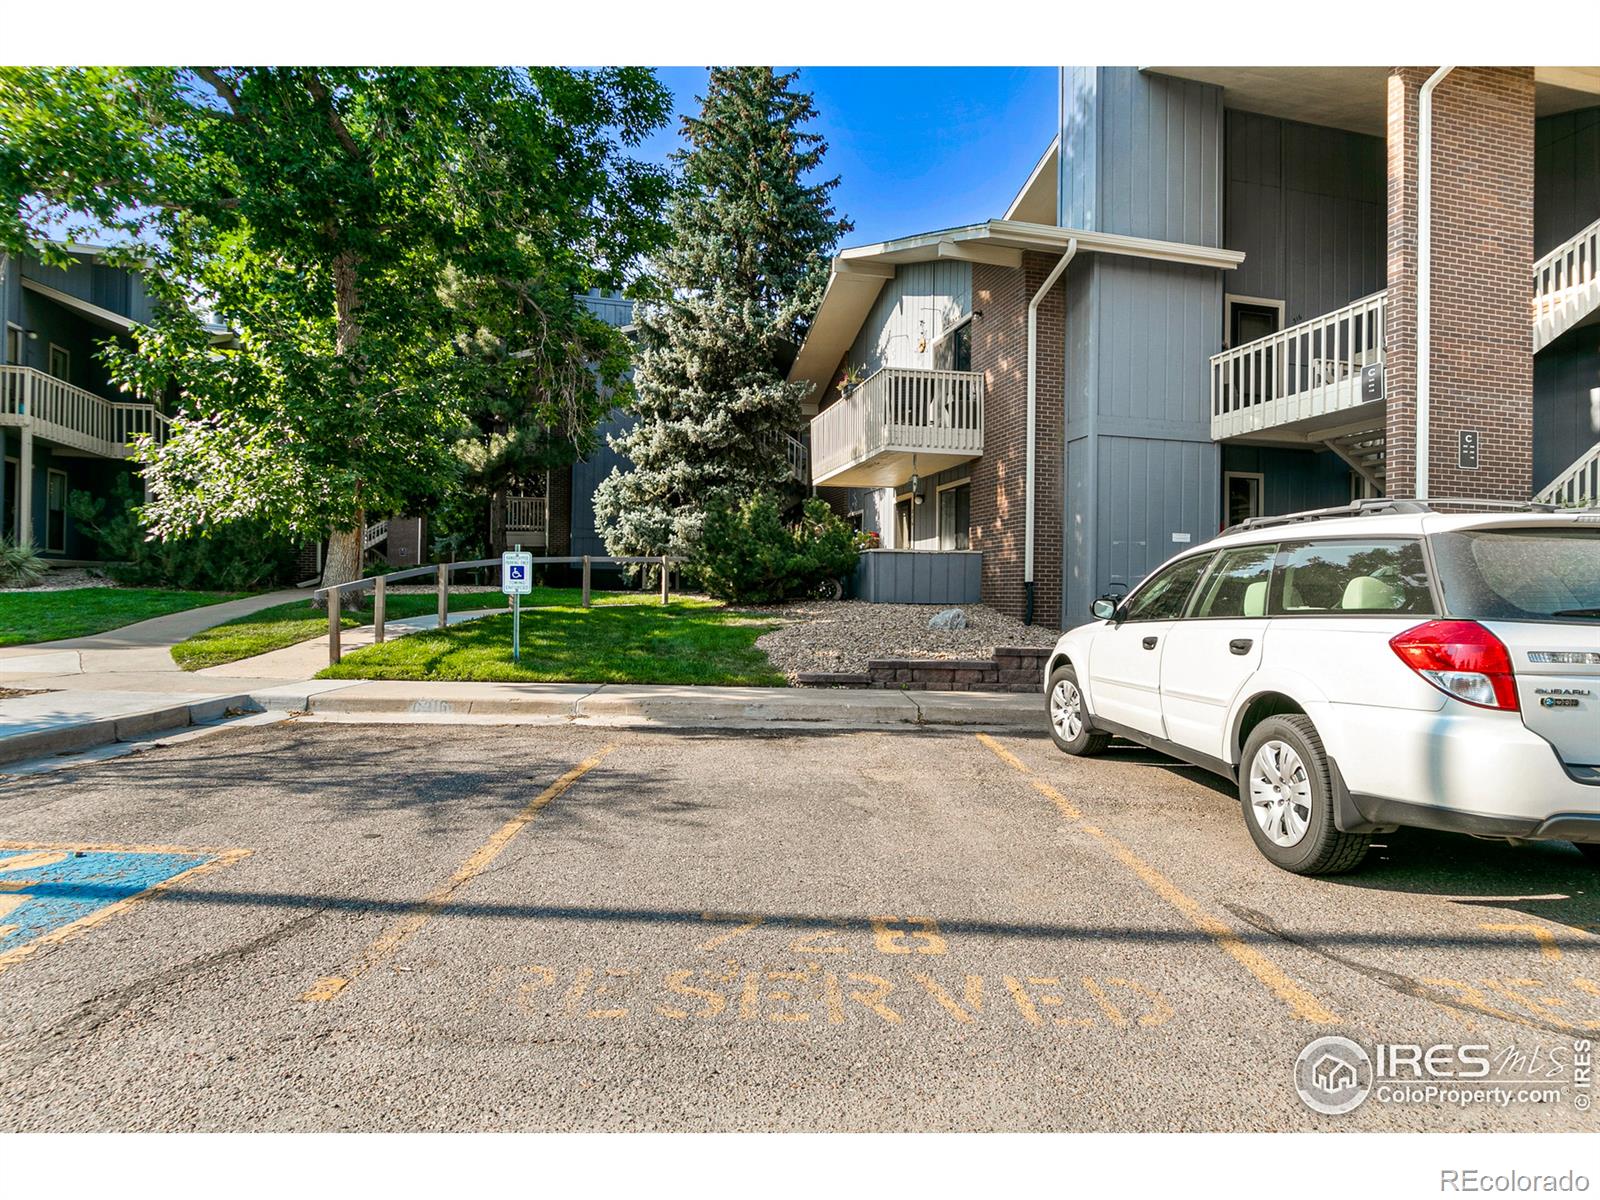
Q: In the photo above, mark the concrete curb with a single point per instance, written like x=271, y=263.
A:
x=678, y=707
x=84, y=735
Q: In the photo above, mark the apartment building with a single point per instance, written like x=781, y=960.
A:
x=64, y=426
x=1222, y=292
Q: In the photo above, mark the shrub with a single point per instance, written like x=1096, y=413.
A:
x=230, y=558
x=20, y=565
x=748, y=555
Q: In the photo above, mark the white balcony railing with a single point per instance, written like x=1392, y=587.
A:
x=1566, y=286
x=899, y=412
x=73, y=417
x=1300, y=373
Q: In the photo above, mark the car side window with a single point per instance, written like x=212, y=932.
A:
x=1166, y=592
x=1236, y=585
x=1335, y=578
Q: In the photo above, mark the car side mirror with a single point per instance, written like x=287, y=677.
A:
x=1104, y=609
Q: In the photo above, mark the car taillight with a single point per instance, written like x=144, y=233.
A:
x=1461, y=659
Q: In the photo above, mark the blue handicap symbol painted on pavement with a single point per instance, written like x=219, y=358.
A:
x=46, y=888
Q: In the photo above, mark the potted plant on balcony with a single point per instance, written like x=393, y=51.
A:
x=850, y=379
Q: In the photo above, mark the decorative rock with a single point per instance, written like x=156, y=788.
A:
x=950, y=618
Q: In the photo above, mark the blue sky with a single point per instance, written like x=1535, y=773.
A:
x=916, y=148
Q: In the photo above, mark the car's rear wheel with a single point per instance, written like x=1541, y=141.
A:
x=1070, y=726
x=1286, y=791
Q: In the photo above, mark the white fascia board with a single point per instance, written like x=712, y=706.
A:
x=1031, y=236
x=981, y=252
x=101, y=316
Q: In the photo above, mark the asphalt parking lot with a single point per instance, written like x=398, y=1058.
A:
x=397, y=927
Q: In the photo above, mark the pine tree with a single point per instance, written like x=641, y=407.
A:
x=751, y=238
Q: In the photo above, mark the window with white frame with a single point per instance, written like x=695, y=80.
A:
x=902, y=522
x=61, y=362
x=1242, y=495
x=955, y=512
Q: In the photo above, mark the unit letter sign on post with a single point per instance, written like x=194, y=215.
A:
x=516, y=581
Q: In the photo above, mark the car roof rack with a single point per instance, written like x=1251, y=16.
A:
x=1393, y=506
x=1356, y=508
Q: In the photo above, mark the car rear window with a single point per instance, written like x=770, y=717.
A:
x=1340, y=578
x=1520, y=574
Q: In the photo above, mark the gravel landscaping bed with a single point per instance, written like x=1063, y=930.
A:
x=66, y=580
x=841, y=635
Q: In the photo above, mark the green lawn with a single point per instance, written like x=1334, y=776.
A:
x=300, y=620
x=28, y=617
x=624, y=640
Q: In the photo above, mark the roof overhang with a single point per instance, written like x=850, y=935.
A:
x=103, y=317
x=1357, y=98
x=1036, y=202
x=859, y=274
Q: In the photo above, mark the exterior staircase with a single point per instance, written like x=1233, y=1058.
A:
x=1566, y=286
x=1363, y=451
x=1579, y=485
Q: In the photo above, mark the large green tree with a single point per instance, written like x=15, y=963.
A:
x=387, y=246
x=753, y=229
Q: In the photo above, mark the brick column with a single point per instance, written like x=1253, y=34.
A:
x=559, y=531
x=999, y=478
x=1481, y=345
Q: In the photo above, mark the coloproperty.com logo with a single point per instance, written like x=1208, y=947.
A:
x=1336, y=1075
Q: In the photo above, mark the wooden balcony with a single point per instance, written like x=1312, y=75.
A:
x=900, y=422
x=527, y=520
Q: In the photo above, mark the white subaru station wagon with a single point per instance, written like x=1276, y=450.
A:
x=1361, y=668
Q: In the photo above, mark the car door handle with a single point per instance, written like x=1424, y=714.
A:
x=1241, y=645
x=1149, y=643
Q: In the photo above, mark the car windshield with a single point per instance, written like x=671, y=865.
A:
x=1520, y=574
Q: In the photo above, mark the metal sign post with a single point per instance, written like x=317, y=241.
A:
x=516, y=581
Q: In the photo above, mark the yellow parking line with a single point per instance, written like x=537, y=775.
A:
x=1303, y=1006
x=404, y=929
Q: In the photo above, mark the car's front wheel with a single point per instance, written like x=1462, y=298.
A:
x=1286, y=791
x=1070, y=727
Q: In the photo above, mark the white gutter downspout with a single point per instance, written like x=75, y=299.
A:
x=1033, y=393
x=1425, y=270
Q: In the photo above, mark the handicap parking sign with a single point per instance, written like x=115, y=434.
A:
x=516, y=572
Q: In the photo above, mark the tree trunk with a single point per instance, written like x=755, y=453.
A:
x=343, y=561
x=342, y=564
x=346, y=300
